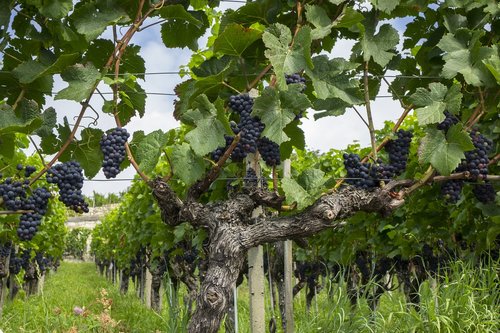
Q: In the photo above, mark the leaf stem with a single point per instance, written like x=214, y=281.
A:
x=19, y=98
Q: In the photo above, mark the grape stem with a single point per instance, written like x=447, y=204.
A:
x=37, y=150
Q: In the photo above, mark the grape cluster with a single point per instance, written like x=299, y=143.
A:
x=399, y=150
x=15, y=263
x=269, y=150
x=251, y=179
x=4, y=253
x=361, y=175
x=237, y=155
x=43, y=262
x=449, y=121
x=69, y=178
x=29, y=222
x=113, y=148
x=476, y=161
x=484, y=193
x=13, y=193
x=451, y=190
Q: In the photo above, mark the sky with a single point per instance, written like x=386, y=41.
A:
x=321, y=135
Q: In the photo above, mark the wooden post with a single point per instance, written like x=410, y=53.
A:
x=3, y=284
x=147, y=288
x=256, y=269
x=288, y=276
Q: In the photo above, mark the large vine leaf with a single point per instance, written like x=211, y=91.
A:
x=296, y=193
x=7, y=144
x=91, y=19
x=81, y=80
x=386, y=6
x=331, y=78
x=182, y=28
x=56, y=9
x=188, y=166
x=235, y=39
x=287, y=59
x=11, y=123
x=377, y=46
x=210, y=127
x=318, y=17
x=433, y=102
x=148, y=149
x=465, y=55
x=445, y=153
x=277, y=109
x=31, y=70
x=88, y=151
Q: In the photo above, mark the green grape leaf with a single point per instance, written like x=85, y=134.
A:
x=49, y=118
x=91, y=20
x=444, y=153
x=433, y=102
x=88, y=151
x=31, y=70
x=132, y=101
x=276, y=109
x=7, y=144
x=56, y=9
x=148, y=149
x=187, y=165
x=386, y=6
x=331, y=78
x=296, y=193
x=182, y=28
x=210, y=129
x=349, y=18
x=235, y=39
x=318, y=17
x=81, y=80
x=465, y=55
x=312, y=180
x=329, y=107
x=493, y=65
x=213, y=66
x=286, y=59
x=11, y=123
x=297, y=139
x=378, y=46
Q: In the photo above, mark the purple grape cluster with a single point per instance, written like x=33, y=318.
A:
x=484, y=193
x=69, y=178
x=13, y=193
x=29, y=222
x=368, y=175
x=251, y=180
x=476, y=161
x=269, y=150
x=398, y=151
x=113, y=148
x=451, y=190
x=449, y=121
x=15, y=263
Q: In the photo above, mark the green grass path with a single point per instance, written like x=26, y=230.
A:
x=79, y=285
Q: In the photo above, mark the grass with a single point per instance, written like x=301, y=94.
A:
x=466, y=299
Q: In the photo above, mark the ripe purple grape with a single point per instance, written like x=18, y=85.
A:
x=113, y=148
x=69, y=178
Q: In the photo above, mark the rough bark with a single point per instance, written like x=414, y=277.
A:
x=232, y=232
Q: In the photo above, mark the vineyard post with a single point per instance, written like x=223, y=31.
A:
x=256, y=268
x=288, y=276
x=148, y=288
x=3, y=284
